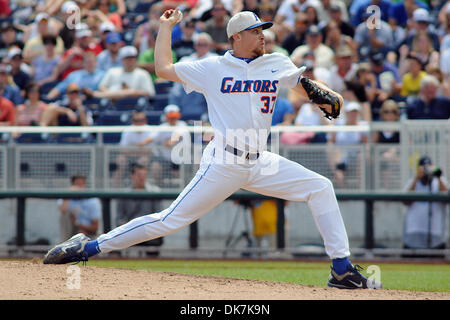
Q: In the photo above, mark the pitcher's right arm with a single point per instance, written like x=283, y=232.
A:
x=164, y=67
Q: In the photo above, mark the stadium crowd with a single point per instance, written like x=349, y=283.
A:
x=88, y=62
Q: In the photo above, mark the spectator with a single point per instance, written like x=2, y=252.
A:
x=401, y=12
x=288, y=9
x=7, y=113
x=87, y=79
x=72, y=59
x=337, y=14
x=444, y=21
x=148, y=28
x=283, y=114
x=43, y=68
x=106, y=27
x=344, y=161
x=311, y=14
x=271, y=43
x=324, y=55
x=34, y=46
x=444, y=89
x=8, y=38
x=297, y=37
x=422, y=48
x=421, y=23
x=109, y=58
x=192, y=105
x=8, y=89
x=216, y=27
x=141, y=156
x=185, y=45
x=335, y=39
x=105, y=10
x=361, y=13
x=425, y=221
x=343, y=70
x=67, y=31
x=128, y=81
x=34, y=112
x=386, y=74
x=330, y=6
x=377, y=39
x=72, y=112
x=389, y=160
x=389, y=112
x=411, y=80
x=146, y=58
x=321, y=74
x=170, y=139
x=20, y=77
x=79, y=215
x=428, y=105
x=128, y=209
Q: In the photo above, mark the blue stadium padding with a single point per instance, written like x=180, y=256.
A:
x=32, y=138
x=130, y=104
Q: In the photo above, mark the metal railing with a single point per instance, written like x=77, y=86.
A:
x=370, y=166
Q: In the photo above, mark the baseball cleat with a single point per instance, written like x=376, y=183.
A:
x=71, y=250
x=352, y=279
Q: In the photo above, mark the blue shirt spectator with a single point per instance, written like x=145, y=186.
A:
x=283, y=112
x=109, y=58
x=397, y=11
x=362, y=11
x=428, y=105
x=88, y=77
x=9, y=91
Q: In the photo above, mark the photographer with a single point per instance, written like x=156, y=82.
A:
x=425, y=223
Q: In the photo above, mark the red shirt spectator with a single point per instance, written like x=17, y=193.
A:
x=72, y=59
x=7, y=113
x=5, y=10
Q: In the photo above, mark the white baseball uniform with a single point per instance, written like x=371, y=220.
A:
x=241, y=97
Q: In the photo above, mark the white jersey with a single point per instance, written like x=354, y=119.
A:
x=241, y=96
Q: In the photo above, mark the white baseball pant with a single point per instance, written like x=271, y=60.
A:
x=216, y=180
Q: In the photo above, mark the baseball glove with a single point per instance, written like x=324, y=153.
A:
x=328, y=102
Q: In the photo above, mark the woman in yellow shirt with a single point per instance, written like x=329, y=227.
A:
x=411, y=79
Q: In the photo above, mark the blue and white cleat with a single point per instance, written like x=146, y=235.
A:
x=352, y=279
x=71, y=250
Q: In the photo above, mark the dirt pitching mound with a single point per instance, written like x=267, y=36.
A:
x=32, y=280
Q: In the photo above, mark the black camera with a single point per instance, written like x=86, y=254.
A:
x=432, y=172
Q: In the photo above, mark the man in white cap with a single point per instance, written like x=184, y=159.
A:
x=421, y=22
x=127, y=81
x=241, y=89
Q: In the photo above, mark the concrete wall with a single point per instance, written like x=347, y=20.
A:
x=42, y=221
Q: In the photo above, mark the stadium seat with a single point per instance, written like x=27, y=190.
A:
x=130, y=104
x=154, y=117
x=66, y=138
x=113, y=118
x=163, y=87
x=45, y=88
x=32, y=138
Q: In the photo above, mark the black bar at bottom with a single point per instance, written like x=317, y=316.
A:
x=106, y=212
x=193, y=235
x=280, y=224
x=369, y=241
x=20, y=221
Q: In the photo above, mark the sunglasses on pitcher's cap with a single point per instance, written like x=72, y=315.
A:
x=245, y=20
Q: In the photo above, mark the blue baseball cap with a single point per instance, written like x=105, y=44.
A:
x=113, y=37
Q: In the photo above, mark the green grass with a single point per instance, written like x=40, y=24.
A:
x=415, y=277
